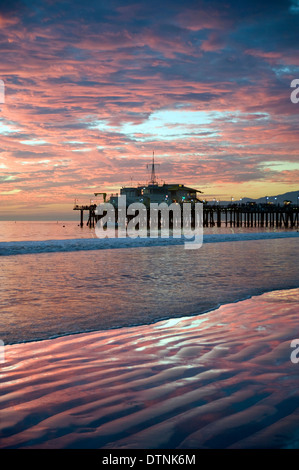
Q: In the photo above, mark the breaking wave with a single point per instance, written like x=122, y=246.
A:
x=71, y=245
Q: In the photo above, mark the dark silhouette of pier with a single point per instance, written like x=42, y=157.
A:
x=232, y=215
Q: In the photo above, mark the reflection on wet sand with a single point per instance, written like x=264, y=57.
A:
x=220, y=380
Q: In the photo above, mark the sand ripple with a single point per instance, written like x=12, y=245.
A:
x=220, y=380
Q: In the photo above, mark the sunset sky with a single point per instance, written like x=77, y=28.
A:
x=93, y=88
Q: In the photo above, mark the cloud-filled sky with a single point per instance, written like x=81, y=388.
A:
x=93, y=88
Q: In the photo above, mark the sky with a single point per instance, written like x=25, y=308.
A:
x=92, y=89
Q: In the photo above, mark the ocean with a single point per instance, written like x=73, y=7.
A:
x=58, y=278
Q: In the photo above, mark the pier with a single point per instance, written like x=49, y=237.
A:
x=257, y=215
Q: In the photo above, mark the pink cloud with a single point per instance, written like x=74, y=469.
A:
x=60, y=80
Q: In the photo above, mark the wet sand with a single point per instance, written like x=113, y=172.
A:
x=223, y=379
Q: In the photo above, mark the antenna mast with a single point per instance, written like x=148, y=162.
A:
x=153, y=174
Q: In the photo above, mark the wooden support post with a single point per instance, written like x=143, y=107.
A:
x=218, y=218
x=286, y=220
x=292, y=219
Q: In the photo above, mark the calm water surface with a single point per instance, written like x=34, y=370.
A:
x=49, y=294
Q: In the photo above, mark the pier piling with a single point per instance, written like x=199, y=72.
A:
x=272, y=216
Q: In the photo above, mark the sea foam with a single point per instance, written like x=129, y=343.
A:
x=70, y=245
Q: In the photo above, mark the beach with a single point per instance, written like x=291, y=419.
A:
x=223, y=379
x=132, y=345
